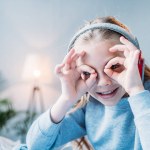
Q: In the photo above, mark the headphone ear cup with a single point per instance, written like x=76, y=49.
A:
x=141, y=66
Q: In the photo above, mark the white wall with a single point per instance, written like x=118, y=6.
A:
x=31, y=26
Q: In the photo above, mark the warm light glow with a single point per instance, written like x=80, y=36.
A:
x=36, y=73
x=37, y=67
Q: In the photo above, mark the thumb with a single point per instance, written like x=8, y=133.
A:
x=112, y=74
x=91, y=80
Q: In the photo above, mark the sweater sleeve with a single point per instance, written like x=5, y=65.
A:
x=140, y=105
x=46, y=135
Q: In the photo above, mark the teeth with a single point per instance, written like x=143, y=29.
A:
x=107, y=92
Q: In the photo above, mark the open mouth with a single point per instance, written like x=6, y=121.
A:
x=108, y=94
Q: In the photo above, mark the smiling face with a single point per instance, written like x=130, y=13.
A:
x=97, y=54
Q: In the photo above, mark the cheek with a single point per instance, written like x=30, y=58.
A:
x=94, y=88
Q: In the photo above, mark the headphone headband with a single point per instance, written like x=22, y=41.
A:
x=109, y=26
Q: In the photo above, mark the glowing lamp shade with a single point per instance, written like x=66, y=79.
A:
x=37, y=67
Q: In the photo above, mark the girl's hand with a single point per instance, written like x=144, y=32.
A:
x=73, y=81
x=125, y=70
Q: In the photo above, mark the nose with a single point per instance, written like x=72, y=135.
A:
x=104, y=80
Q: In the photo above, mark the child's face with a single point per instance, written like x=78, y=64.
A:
x=97, y=54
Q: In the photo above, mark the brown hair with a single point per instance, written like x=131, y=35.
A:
x=104, y=34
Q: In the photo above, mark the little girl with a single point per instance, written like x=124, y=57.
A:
x=102, y=70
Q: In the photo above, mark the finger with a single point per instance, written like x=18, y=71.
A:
x=114, y=61
x=58, y=68
x=118, y=47
x=67, y=66
x=130, y=60
x=85, y=68
x=81, y=55
x=68, y=56
x=73, y=65
x=136, y=57
x=129, y=45
x=73, y=61
x=69, y=60
x=83, y=76
x=91, y=80
x=121, y=48
x=112, y=74
x=75, y=57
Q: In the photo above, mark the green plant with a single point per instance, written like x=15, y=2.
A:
x=6, y=111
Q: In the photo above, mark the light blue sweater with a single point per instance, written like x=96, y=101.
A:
x=125, y=126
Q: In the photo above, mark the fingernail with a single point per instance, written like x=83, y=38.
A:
x=111, y=48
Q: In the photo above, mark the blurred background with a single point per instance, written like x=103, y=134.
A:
x=34, y=36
